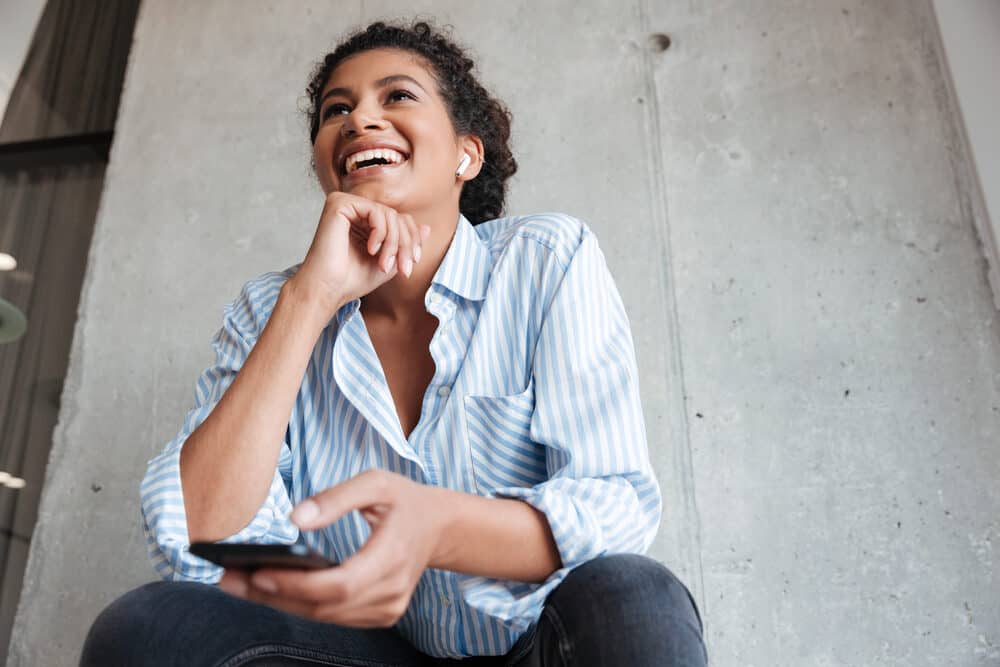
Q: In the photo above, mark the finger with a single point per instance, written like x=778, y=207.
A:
x=355, y=600
x=405, y=255
x=380, y=558
x=376, y=603
x=367, y=589
x=378, y=229
x=362, y=234
x=390, y=247
x=370, y=567
x=360, y=237
x=241, y=584
x=304, y=585
x=378, y=611
x=372, y=487
x=425, y=232
x=235, y=582
x=415, y=238
x=352, y=212
x=368, y=604
x=360, y=611
x=302, y=608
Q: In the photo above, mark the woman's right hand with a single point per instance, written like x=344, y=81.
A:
x=359, y=245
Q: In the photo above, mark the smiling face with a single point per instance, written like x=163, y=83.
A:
x=385, y=103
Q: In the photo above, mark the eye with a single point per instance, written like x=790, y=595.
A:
x=404, y=93
x=335, y=109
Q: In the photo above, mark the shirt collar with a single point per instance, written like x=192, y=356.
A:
x=466, y=267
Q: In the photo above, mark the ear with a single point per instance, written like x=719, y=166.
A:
x=473, y=145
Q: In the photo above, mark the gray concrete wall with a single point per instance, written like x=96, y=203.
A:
x=970, y=35
x=18, y=19
x=787, y=207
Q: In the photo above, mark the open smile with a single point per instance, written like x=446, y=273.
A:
x=371, y=171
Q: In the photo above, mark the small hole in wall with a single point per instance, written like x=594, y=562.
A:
x=659, y=42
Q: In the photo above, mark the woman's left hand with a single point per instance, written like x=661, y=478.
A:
x=373, y=587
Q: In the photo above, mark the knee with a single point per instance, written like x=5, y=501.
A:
x=628, y=594
x=125, y=611
x=130, y=622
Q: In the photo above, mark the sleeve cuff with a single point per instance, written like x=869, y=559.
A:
x=518, y=604
x=576, y=531
x=577, y=536
x=165, y=522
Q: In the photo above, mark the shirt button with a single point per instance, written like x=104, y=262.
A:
x=445, y=600
x=444, y=391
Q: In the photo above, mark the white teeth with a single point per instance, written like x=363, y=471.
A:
x=394, y=157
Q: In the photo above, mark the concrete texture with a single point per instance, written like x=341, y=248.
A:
x=970, y=35
x=786, y=204
x=18, y=19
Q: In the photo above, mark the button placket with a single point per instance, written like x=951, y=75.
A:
x=444, y=315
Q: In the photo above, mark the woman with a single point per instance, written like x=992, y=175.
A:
x=450, y=400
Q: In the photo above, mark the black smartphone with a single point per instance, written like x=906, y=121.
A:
x=253, y=556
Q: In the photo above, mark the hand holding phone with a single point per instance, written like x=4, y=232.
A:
x=254, y=556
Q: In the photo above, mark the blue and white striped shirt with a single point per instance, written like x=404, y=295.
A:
x=535, y=395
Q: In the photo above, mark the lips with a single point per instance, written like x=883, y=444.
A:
x=386, y=150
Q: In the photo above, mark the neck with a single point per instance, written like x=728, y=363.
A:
x=401, y=299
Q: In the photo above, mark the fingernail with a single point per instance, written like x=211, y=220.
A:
x=407, y=266
x=416, y=254
x=306, y=511
x=265, y=584
x=377, y=246
x=388, y=264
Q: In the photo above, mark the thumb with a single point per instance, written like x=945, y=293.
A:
x=361, y=492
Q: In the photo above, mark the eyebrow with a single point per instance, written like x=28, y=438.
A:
x=381, y=83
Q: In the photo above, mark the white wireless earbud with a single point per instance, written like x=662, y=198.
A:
x=463, y=164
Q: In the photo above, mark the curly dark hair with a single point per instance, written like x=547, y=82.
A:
x=470, y=106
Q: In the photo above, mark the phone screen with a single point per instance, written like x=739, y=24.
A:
x=253, y=556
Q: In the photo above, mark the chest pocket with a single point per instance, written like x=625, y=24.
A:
x=499, y=438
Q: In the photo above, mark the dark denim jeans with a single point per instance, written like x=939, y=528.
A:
x=614, y=610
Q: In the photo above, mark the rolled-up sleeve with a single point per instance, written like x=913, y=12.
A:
x=161, y=495
x=601, y=495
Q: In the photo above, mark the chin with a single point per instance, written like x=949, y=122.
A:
x=376, y=192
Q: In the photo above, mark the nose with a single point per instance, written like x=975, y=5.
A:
x=362, y=117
